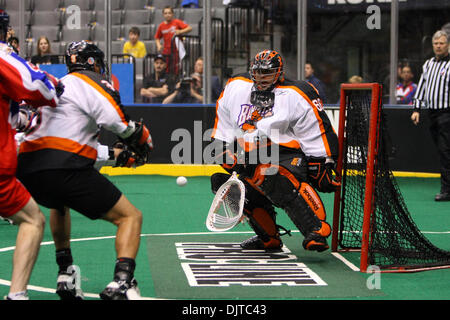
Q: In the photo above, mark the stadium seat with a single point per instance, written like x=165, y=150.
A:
x=53, y=33
x=84, y=5
x=137, y=17
x=115, y=5
x=135, y=4
x=39, y=5
x=117, y=17
x=217, y=4
x=160, y=4
x=46, y=18
x=99, y=33
x=116, y=46
x=192, y=16
x=14, y=18
x=218, y=12
x=150, y=45
x=69, y=35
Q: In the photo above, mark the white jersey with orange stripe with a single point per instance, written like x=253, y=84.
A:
x=296, y=120
x=66, y=136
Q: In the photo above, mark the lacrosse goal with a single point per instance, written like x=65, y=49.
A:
x=370, y=214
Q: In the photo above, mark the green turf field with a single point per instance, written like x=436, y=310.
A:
x=175, y=260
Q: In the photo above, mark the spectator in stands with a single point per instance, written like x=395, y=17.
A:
x=14, y=43
x=166, y=31
x=44, y=53
x=191, y=91
x=134, y=46
x=311, y=78
x=406, y=88
x=187, y=91
x=216, y=86
x=159, y=84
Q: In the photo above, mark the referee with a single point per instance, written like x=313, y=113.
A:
x=433, y=92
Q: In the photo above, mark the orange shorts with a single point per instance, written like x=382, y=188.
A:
x=13, y=196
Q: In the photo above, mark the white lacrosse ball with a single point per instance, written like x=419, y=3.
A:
x=181, y=181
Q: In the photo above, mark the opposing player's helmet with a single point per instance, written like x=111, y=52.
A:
x=4, y=24
x=266, y=70
x=84, y=56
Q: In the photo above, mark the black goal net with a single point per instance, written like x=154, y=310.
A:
x=394, y=242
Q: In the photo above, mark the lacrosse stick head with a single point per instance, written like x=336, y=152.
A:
x=227, y=206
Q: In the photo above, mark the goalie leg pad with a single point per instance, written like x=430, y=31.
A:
x=262, y=222
x=302, y=204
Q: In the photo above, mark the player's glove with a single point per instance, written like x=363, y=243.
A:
x=125, y=159
x=140, y=143
x=320, y=172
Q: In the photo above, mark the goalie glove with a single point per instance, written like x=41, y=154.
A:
x=228, y=158
x=139, y=143
x=320, y=172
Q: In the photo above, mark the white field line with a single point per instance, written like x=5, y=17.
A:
x=93, y=295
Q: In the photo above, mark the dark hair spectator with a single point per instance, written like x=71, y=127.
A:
x=134, y=46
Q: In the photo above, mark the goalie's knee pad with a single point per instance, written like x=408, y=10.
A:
x=262, y=221
x=277, y=187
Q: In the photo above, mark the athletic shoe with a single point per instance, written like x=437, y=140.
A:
x=443, y=196
x=7, y=220
x=121, y=290
x=68, y=285
x=17, y=296
x=255, y=243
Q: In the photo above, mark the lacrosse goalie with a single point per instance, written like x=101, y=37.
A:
x=263, y=110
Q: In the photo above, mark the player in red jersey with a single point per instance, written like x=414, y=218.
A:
x=21, y=81
x=166, y=31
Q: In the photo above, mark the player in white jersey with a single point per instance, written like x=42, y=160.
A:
x=56, y=163
x=277, y=136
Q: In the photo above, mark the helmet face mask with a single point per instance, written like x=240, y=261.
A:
x=266, y=70
x=85, y=56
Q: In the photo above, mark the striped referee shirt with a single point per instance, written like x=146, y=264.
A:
x=433, y=90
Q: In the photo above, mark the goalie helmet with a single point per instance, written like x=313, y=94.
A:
x=82, y=55
x=4, y=25
x=266, y=70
